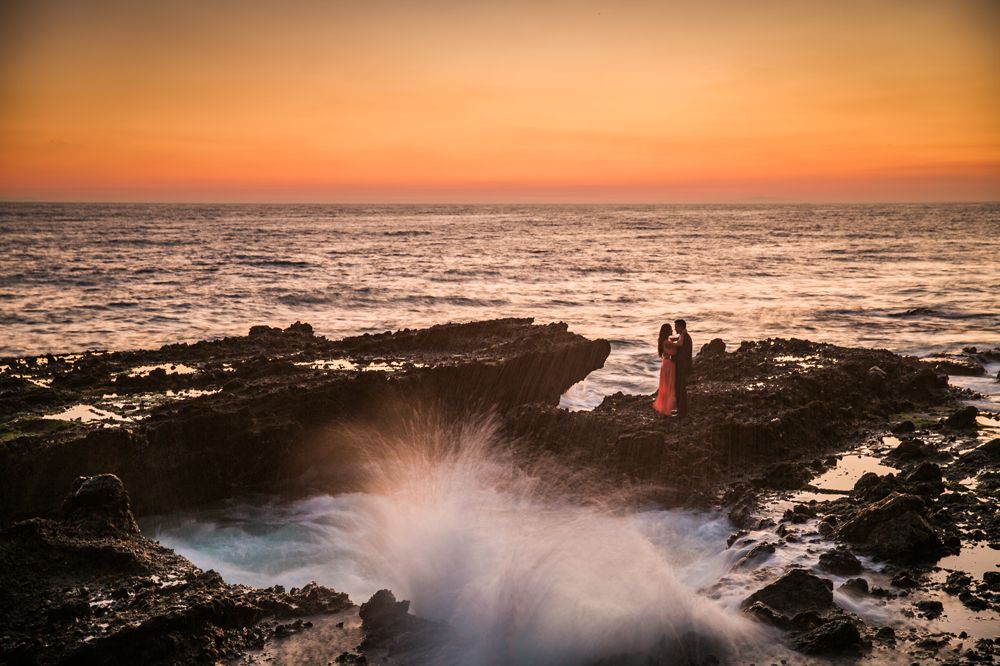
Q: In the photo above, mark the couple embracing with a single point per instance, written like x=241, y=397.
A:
x=674, y=350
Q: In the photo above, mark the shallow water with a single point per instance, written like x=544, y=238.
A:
x=912, y=278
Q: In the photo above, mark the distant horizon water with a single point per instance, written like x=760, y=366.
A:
x=913, y=278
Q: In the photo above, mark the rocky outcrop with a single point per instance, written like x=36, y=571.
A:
x=90, y=589
x=894, y=528
x=768, y=403
x=796, y=592
x=281, y=395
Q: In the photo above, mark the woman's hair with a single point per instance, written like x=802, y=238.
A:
x=665, y=332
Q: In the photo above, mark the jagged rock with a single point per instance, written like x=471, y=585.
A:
x=910, y=449
x=90, y=589
x=278, y=423
x=956, y=365
x=839, y=636
x=893, y=528
x=992, y=580
x=903, y=427
x=713, y=348
x=924, y=479
x=930, y=608
x=388, y=626
x=963, y=418
x=99, y=502
x=798, y=591
x=840, y=561
x=786, y=476
x=855, y=586
x=871, y=487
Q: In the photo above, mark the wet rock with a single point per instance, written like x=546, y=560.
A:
x=388, y=626
x=905, y=580
x=924, y=479
x=871, y=487
x=992, y=580
x=277, y=425
x=840, y=636
x=886, y=634
x=798, y=591
x=855, y=586
x=957, y=581
x=758, y=553
x=894, y=528
x=840, y=561
x=713, y=348
x=903, y=427
x=963, y=418
x=99, y=502
x=930, y=608
x=909, y=450
x=101, y=593
x=786, y=476
x=956, y=365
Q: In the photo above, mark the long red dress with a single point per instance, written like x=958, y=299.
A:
x=666, y=396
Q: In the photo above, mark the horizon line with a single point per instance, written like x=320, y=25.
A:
x=791, y=202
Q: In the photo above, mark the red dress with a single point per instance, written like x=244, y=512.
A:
x=666, y=396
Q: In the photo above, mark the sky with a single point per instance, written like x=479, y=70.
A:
x=378, y=101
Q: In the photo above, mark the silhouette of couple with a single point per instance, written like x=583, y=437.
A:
x=675, y=367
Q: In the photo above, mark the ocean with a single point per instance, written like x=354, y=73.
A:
x=915, y=279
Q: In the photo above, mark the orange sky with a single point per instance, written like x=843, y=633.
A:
x=513, y=101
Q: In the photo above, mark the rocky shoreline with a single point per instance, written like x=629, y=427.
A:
x=190, y=424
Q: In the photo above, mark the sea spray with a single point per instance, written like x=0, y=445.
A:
x=500, y=550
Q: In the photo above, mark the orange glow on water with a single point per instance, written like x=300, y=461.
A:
x=447, y=101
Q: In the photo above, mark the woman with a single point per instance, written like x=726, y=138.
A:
x=666, y=396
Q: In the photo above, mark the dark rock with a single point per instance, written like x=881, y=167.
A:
x=839, y=636
x=909, y=450
x=871, y=487
x=797, y=591
x=786, y=476
x=956, y=365
x=963, y=418
x=903, y=427
x=992, y=580
x=894, y=528
x=930, y=608
x=905, y=580
x=855, y=586
x=957, y=581
x=840, y=561
x=713, y=348
x=98, y=592
x=99, y=502
x=886, y=634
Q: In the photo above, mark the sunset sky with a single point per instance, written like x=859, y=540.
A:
x=507, y=101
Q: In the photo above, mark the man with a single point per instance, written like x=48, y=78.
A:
x=682, y=357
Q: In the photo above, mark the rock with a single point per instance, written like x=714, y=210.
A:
x=910, y=449
x=905, y=580
x=925, y=480
x=99, y=502
x=269, y=427
x=855, y=586
x=963, y=418
x=930, y=608
x=798, y=591
x=886, y=634
x=713, y=348
x=389, y=627
x=956, y=365
x=840, y=561
x=840, y=636
x=90, y=589
x=992, y=580
x=871, y=487
x=903, y=427
x=894, y=528
x=786, y=476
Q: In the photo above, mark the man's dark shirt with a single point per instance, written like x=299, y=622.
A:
x=682, y=357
